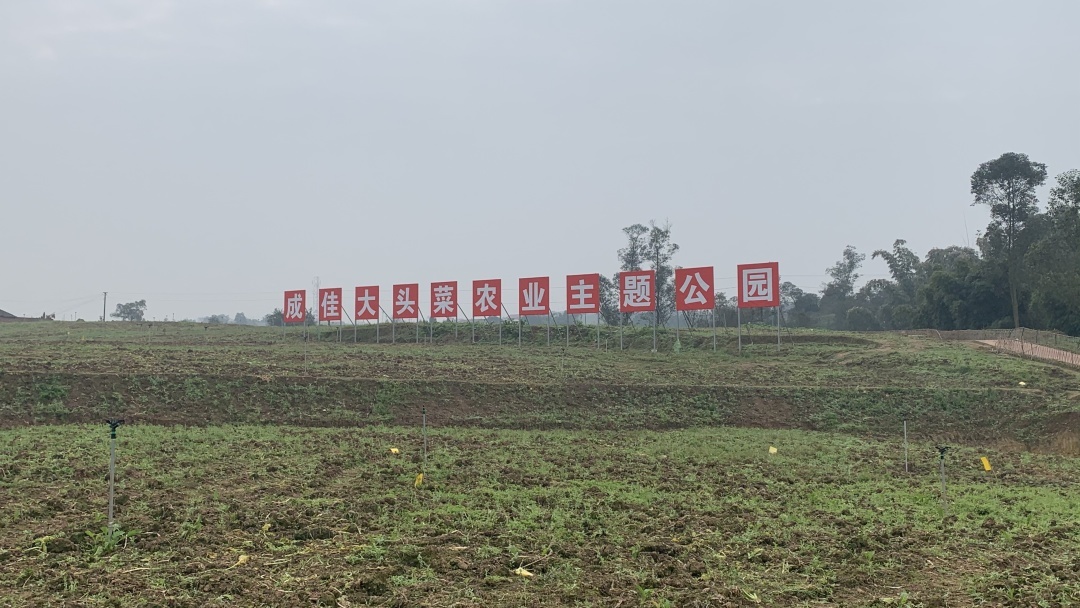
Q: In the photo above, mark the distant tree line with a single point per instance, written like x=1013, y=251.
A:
x=1025, y=270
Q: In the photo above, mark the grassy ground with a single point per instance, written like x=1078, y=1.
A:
x=258, y=515
x=615, y=477
x=193, y=374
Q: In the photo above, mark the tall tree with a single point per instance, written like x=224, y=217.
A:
x=647, y=246
x=893, y=302
x=661, y=250
x=631, y=257
x=837, y=294
x=132, y=311
x=1065, y=196
x=902, y=265
x=1007, y=185
x=609, y=300
x=635, y=254
x=1054, y=260
x=277, y=318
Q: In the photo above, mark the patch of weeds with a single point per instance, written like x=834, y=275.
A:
x=50, y=390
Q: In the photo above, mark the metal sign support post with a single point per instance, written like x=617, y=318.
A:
x=113, y=423
x=778, y=328
x=419, y=317
x=351, y=320
x=393, y=327
x=620, y=330
x=597, y=331
x=738, y=316
x=508, y=319
x=569, y=322
x=655, y=320
x=714, y=329
x=471, y=324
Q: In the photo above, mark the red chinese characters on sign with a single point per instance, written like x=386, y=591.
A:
x=759, y=285
x=406, y=301
x=534, y=297
x=330, y=304
x=367, y=303
x=487, y=298
x=583, y=293
x=637, y=291
x=444, y=303
x=295, y=309
x=694, y=289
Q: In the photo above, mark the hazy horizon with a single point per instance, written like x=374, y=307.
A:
x=206, y=157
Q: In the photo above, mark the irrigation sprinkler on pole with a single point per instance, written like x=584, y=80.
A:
x=941, y=460
x=113, y=423
x=906, y=470
x=424, y=429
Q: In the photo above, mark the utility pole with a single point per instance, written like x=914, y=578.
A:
x=104, y=304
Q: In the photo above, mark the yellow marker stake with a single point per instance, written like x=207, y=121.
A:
x=986, y=463
x=772, y=450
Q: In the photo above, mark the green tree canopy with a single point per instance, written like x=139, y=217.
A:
x=1007, y=185
x=132, y=311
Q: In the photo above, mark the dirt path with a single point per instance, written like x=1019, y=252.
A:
x=1035, y=350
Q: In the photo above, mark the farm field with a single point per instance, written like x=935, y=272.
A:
x=272, y=515
x=256, y=469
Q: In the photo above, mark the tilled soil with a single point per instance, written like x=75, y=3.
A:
x=285, y=516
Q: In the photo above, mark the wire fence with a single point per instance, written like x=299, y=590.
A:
x=1033, y=343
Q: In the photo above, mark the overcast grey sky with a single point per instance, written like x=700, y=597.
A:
x=207, y=156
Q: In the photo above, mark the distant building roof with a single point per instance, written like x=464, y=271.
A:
x=6, y=314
